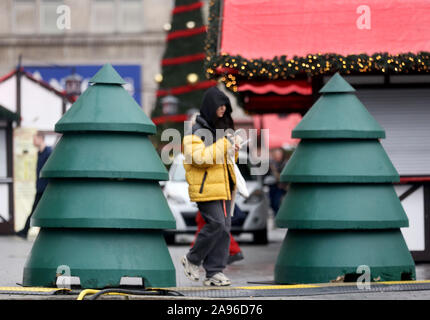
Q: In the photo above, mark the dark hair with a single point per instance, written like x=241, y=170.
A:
x=225, y=122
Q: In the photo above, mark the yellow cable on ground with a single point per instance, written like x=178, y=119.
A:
x=277, y=287
x=85, y=292
x=126, y=292
x=31, y=290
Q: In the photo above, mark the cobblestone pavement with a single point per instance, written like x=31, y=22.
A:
x=257, y=266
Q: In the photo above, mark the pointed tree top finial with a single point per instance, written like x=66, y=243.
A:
x=107, y=75
x=337, y=84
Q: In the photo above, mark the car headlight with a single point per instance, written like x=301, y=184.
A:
x=255, y=197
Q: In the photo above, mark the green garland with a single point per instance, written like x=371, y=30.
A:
x=309, y=65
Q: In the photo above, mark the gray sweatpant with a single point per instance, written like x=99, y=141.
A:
x=213, y=241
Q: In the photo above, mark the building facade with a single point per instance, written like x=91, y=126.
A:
x=86, y=32
x=61, y=37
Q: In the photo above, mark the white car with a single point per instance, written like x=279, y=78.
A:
x=250, y=218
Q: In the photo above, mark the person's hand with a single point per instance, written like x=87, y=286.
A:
x=229, y=136
x=236, y=147
x=235, y=141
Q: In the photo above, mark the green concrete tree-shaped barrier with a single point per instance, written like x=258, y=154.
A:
x=341, y=210
x=103, y=211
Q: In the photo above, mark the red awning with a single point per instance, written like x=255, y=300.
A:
x=265, y=29
x=274, y=103
x=278, y=87
x=169, y=118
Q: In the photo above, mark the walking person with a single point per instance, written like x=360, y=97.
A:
x=234, y=251
x=42, y=155
x=277, y=189
x=211, y=180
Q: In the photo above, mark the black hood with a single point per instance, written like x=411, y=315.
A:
x=213, y=99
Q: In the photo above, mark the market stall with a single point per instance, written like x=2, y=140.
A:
x=276, y=56
x=7, y=118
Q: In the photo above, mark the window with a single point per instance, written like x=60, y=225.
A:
x=103, y=16
x=49, y=16
x=131, y=16
x=108, y=16
x=24, y=16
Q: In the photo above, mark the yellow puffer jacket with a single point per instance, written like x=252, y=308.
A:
x=208, y=178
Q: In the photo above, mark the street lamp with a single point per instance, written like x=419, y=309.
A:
x=170, y=104
x=73, y=84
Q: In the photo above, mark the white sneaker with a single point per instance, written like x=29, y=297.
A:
x=190, y=270
x=219, y=279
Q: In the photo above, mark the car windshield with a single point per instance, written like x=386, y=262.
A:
x=177, y=172
x=246, y=172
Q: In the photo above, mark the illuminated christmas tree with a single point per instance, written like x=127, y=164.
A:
x=182, y=79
